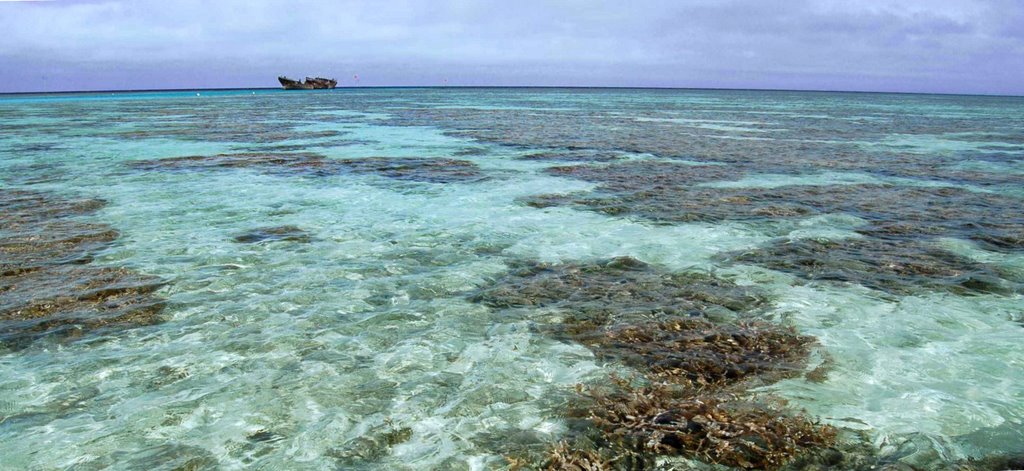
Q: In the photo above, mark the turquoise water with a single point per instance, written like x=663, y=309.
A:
x=292, y=354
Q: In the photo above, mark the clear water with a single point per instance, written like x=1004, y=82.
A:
x=329, y=345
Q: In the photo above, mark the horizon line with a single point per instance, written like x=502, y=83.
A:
x=578, y=87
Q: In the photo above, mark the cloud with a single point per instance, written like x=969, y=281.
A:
x=909, y=45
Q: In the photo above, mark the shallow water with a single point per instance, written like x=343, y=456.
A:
x=358, y=344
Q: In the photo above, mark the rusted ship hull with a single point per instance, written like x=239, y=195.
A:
x=311, y=83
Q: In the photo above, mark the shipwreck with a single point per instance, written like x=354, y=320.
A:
x=311, y=83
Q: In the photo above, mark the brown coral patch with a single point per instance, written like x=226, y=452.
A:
x=658, y=322
x=648, y=175
x=418, y=169
x=289, y=163
x=46, y=285
x=39, y=244
x=37, y=230
x=68, y=299
x=664, y=192
x=617, y=291
x=702, y=354
x=798, y=142
x=571, y=156
x=897, y=267
x=716, y=428
x=897, y=255
x=566, y=457
x=22, y=207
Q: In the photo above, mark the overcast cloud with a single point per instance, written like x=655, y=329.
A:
x=968, y=46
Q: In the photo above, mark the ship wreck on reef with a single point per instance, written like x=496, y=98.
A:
x=311, y=83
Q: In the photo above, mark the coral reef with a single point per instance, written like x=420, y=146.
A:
x=694, y=369
x=664, y=192
x=280, y=163
x=572, y=156
x=897, y=254
x=616, y=291
x=799, y=143
x=47, y=285
x=715, y=428
x=703, y=354
x=417, y=169
x=896, y=267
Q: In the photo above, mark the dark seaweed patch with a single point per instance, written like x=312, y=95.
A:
x=285, y=163
x=275, y=148
x=471, y=151
x=47, y=288
x=34, y=173
x=648, y=175
x=418, y=169
x=897, y=267
x=34, y=147
x=303, y=147
x=227, y=130
x=274, y=233
x=571, y=156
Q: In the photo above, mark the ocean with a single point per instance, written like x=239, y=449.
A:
x=463, y=278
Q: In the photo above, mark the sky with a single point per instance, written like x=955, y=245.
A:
x=943, y=46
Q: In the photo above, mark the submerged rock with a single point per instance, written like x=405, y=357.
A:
x=371, y=447
x=46, y=284
x=273, y=233
x=897, y=267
